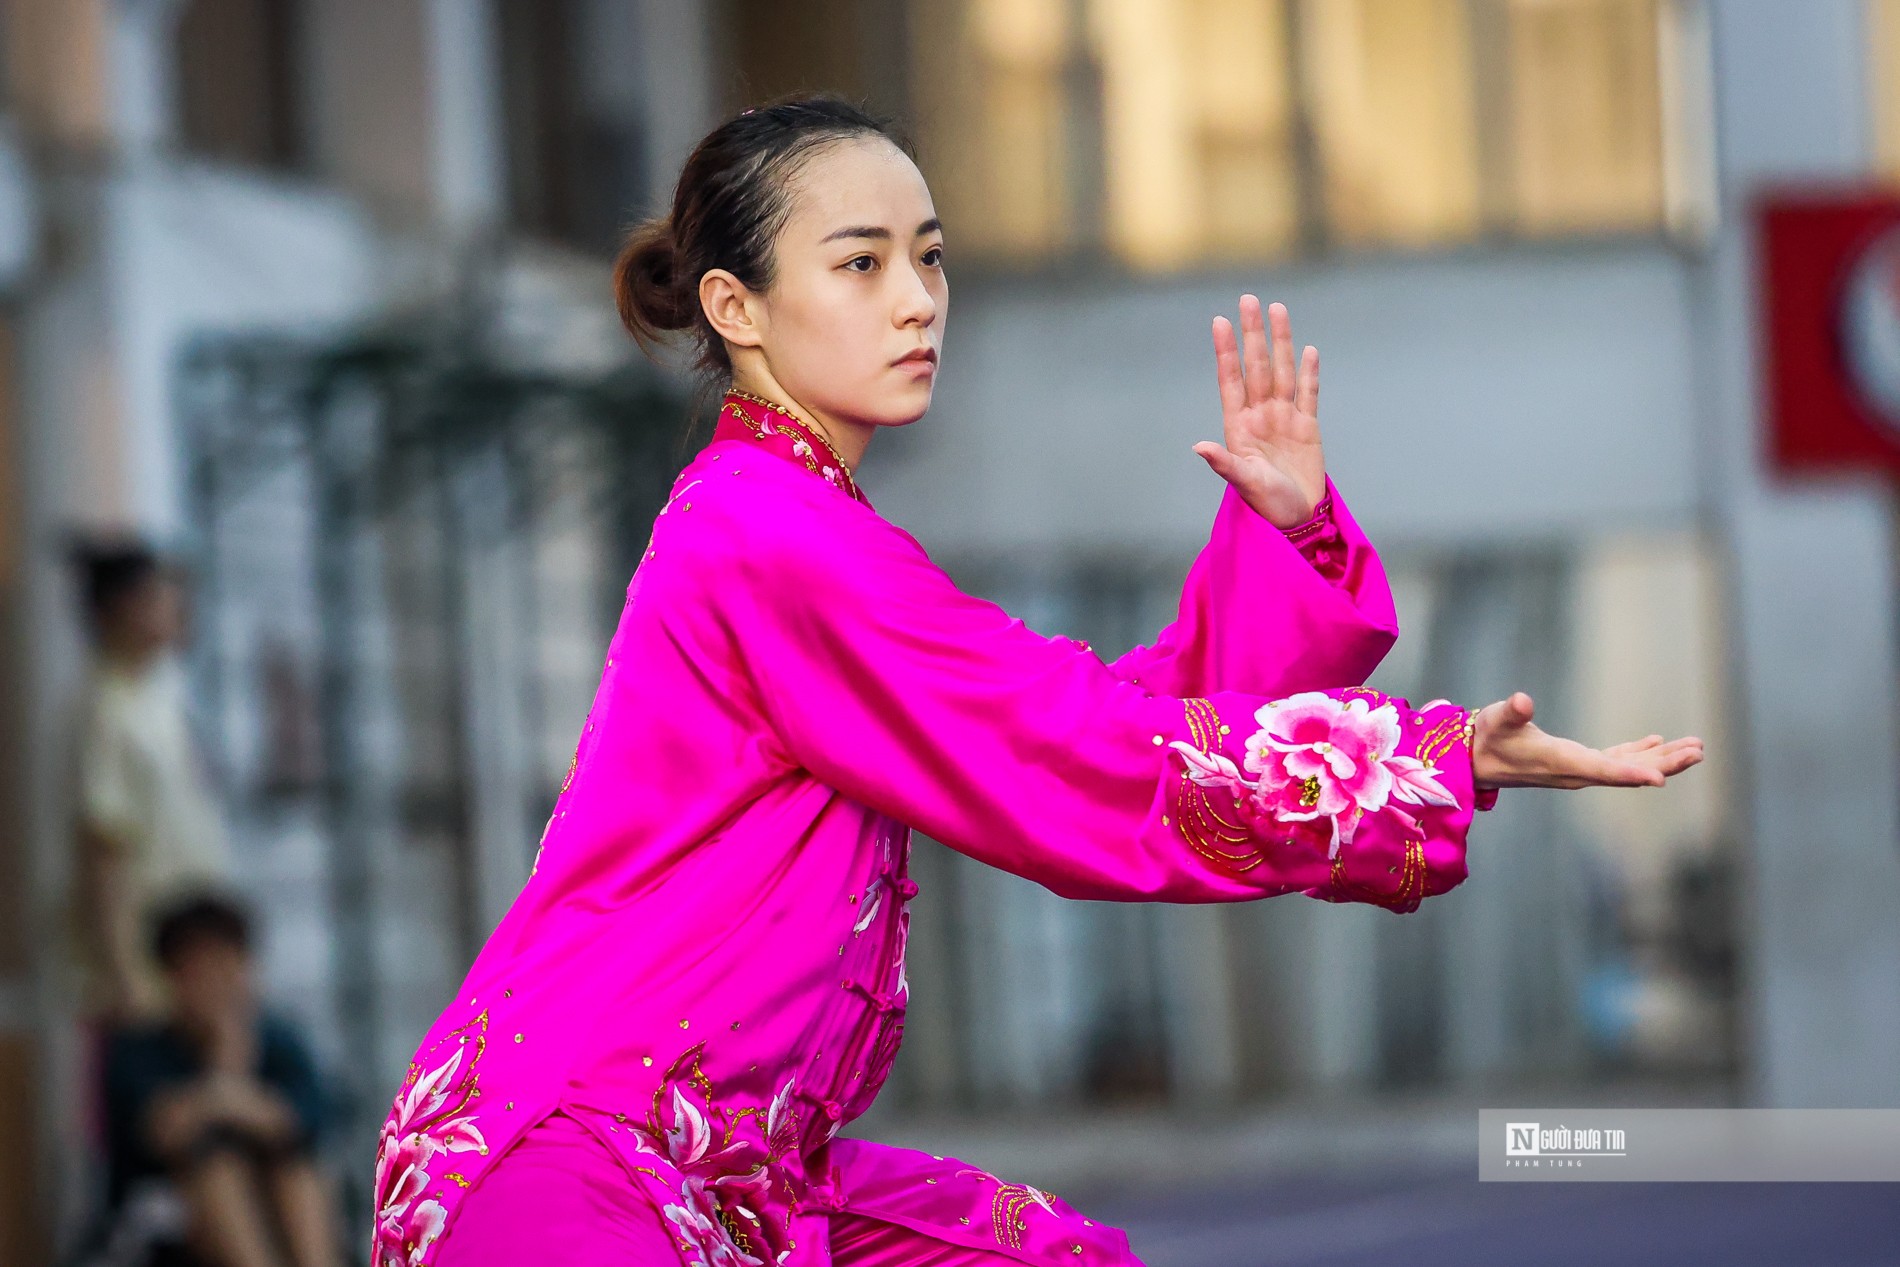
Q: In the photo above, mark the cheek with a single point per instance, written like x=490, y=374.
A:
x=838, y=331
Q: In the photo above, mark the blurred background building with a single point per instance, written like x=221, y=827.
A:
x=316, y=291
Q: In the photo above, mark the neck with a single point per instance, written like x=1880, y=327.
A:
x=850, y=438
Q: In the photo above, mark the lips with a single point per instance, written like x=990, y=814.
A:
x=921, y=354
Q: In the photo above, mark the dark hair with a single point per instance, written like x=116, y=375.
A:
x=110, y=566
x=202, y=917
x=732, y=199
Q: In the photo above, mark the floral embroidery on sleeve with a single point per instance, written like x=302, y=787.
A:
x=1315, y=759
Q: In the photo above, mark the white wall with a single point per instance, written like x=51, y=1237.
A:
x=190, y=251
x=1465, y=398
x=1813, y=593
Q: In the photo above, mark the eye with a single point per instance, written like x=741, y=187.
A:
x=856, y=259
x=936, y=251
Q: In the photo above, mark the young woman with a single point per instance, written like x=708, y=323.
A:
x=703, y=978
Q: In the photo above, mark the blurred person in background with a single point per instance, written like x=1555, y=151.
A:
x=703, y=978
x=147, y=825
x=220, y=1100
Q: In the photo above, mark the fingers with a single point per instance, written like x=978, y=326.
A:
x=1283, y=369
x=1575, y=765
x=1630, y=774
x=1516, y=709
x=1306, y=395
x=1676, y=756
x=1233, y=391
x=1255, y=359
x=1217, y=457
x=1672, y=757
x=1679, y=760
x=1651, y=767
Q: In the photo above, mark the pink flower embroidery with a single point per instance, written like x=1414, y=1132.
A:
x=872, y=900
x=727, y=1176
x=1318, y=757
x=696, y=1222
x=428, y=1119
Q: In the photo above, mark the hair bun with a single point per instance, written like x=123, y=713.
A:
x=649, y=289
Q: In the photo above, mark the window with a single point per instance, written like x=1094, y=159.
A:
x=1174, y=132
x=237, y=81
x=575, y=120
x=1883, y=73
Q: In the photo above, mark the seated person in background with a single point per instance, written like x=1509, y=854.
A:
x=222, y=1098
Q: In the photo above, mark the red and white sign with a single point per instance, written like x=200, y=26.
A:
x=1831, y=330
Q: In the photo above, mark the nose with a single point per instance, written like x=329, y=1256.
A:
x=916, y=305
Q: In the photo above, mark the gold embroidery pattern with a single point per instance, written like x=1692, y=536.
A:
x=800, y=430
x=1204, y=825
x=1442, y=738
x=1320, y=520
x=1006, y=1212
x=1411, y=888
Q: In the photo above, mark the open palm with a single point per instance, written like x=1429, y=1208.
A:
x=1269, y=416
x=1509, y=750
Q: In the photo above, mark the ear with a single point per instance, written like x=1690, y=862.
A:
x=731, y=307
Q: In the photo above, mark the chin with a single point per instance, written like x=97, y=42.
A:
x=907, y=406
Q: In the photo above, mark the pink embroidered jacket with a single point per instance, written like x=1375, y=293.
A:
x=706, y=964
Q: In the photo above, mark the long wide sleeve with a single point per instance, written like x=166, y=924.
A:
x=1271, y=611
x=887, y=683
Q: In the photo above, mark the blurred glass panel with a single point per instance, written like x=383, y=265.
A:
x=996, y=123
x=1586, y=115
x=1650, y=646
x=1177, y=132
x=1197, y=135
x=1394, y=118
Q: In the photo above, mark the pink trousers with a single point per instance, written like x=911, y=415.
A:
x=559, y=1198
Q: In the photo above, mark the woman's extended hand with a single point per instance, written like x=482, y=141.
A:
x=1508, y=751
x=1269, y=417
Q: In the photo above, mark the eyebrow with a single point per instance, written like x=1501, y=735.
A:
x=877, y=231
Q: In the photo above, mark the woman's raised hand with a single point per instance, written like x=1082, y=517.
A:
x=1508, y=751
x=1269, y=405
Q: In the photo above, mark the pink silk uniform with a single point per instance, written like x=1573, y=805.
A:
x=705, y=968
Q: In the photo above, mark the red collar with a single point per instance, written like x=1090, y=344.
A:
x=744, y=416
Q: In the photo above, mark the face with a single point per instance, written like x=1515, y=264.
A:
x=859, y=285
x=151, y=617
x=210, y=978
